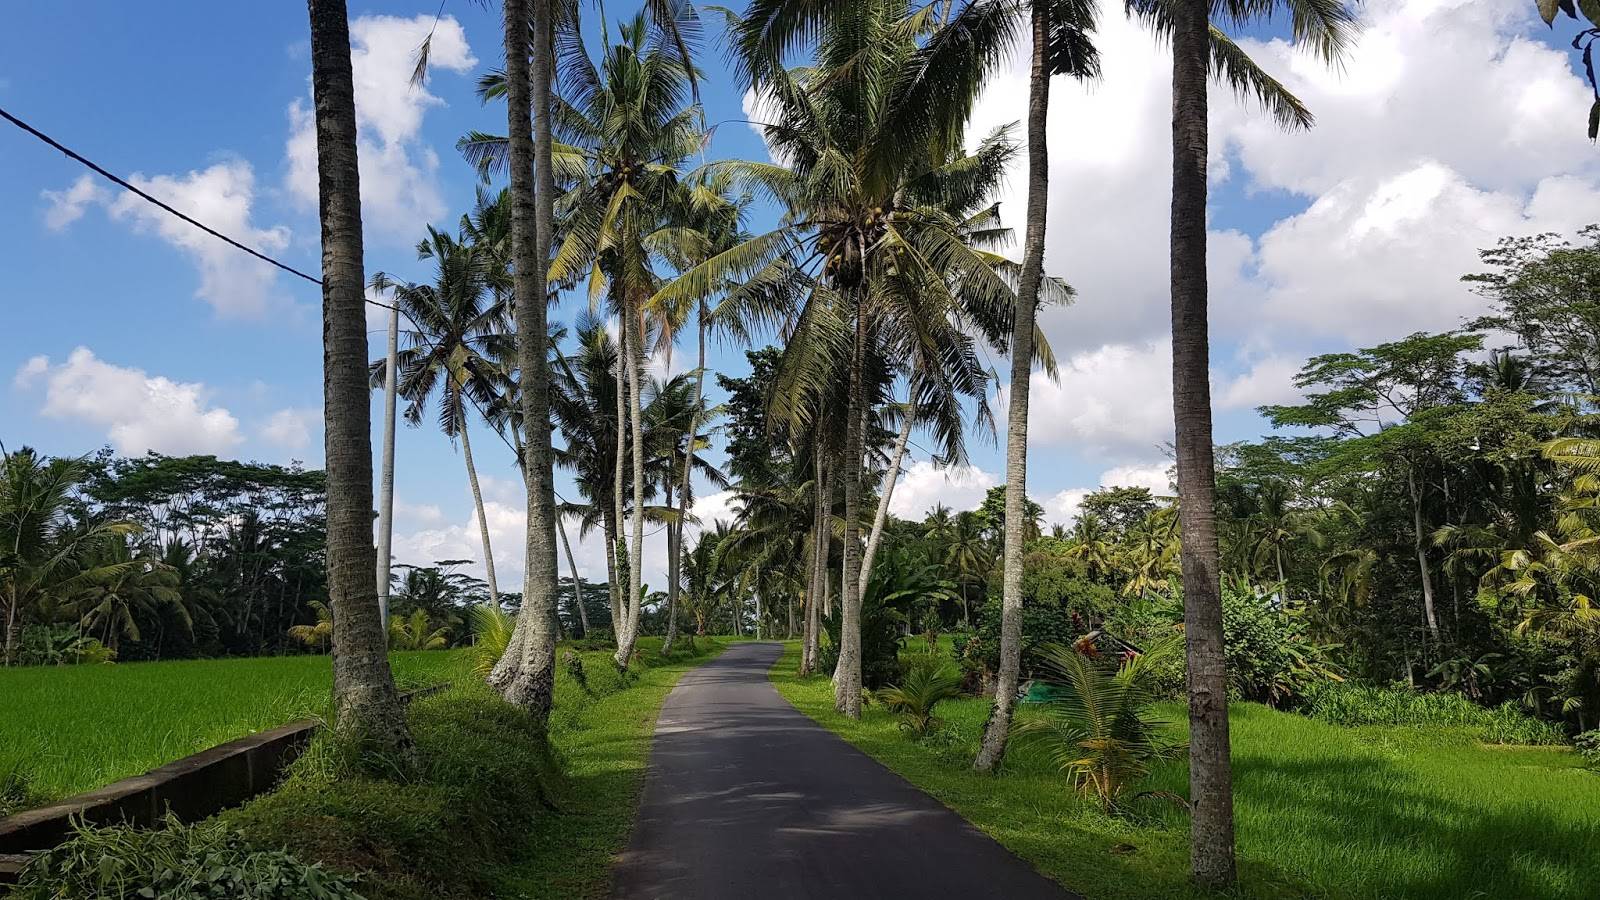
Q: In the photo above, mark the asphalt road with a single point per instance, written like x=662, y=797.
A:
x=748, y=798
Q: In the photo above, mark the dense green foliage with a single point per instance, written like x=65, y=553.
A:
x=1345, y=704
x=208, y=861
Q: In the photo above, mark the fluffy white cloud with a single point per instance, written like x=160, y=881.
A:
x=1448, y=128
x=223, y=197
x=1116, y=397
x=290, y=428
x=1062, y=507
x=924, y=485
x=68, y=206
x=398, y=171
x=1269, y=380
x=139, y=411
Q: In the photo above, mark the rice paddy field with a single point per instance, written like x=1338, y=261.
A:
x=1364, y=813
x=69, y=729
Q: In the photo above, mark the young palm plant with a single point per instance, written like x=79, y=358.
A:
x=1098, y=727
x=929, y=680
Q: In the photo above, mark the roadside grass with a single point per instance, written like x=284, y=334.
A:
x=1322, y=810
x=602, y=744
x=69, y=729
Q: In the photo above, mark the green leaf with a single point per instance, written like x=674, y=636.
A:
x=1590, y=10
x=1594, y=120
x=1547, y=10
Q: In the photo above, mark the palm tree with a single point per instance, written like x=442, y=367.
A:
x=126, y=583
x=1091, y=545
x=629, y=216
x=878, y=195
x=1059, y=46
x=43, y=553
x=451, y=350
x=365, y=700
x=415, y=632
x=1198, y=50
x=315, y=635
x=525, y=674
x=969, y=555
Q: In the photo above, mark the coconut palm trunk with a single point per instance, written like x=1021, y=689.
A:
x=675, y=563
x=526, y=676
x=364, y=696
x=1210, y=774
x=847, y=674
x=614, y=575
x=619, y=547
x=1430, y=617
x=819, y=563
x=577, y=587
x=998, y=730
x=889, y=479
x=483, y=521
x=674, y=536
x=635, y=365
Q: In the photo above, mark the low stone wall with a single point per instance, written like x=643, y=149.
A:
x=191, y=788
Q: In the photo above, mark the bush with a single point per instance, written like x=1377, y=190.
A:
x=929, y=680
x=1346, y=704
x=1588, y=745
x=481, y=780
x=177, y=862
x=1062, y=613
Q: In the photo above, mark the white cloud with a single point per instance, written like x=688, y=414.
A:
x=1448, y=128
x=290, y=428
x=68, y=206
x=1270, y=380
x=1062, y=507
x=398, y=171
x=222, y=196
x=1117, y=397
x=924, y=485
x=139, y=411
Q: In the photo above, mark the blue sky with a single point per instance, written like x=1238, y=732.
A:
x=1453, y=122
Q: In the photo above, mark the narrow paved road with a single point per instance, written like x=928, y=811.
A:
x=748, y=798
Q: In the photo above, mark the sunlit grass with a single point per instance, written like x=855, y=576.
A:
x=602, y=742
x=70, y=729
x=1322, y=810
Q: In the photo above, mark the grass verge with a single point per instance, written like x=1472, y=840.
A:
x=1322, y=810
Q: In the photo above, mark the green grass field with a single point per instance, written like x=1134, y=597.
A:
x=1322, y=810
x=69, y=729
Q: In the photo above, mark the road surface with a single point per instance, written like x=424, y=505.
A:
x=748, y=798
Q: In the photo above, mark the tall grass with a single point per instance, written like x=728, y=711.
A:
x=69, y=729
x=1350, y=704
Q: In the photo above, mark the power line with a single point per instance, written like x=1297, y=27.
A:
x=119, y=182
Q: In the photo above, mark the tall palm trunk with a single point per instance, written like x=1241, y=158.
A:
x=675, y=562
x=635, y=363
x=674, y=537
x=1210, y=772
x=577, y=587
x=364, y=697
x=1420, y=545
x=483, y=521
x=529, y=678
x=819, y=562
x=998, y=730
x=847, y=673
x=889, y=479
x=619, y=546
x=614, y=574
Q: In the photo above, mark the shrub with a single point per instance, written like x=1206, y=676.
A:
x=1347, y=704
x=929, y=680
x=1270, y=657
x=491, y=633
x=1097, y=726
x=1067, y=609
x=1588, y=745
x=177, y=862
x=481, y=779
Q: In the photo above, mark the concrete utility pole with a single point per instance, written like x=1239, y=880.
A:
x=386, y=489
